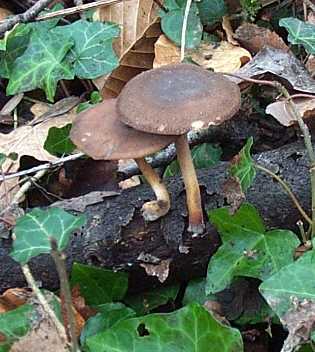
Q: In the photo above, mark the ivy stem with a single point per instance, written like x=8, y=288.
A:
x=288, y=190
x=302, y=231
x=65, y=294
x=43, y=302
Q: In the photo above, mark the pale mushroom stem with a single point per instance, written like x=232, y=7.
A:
x=193, y=198
x=154, y=209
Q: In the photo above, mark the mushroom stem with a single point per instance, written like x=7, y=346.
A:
x=154, y=209
x=193, y=198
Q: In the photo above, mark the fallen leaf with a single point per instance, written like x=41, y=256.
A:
x=279, y=110
x=13, y=298
x=26, y=140
x=4, y=13
x=310, y=65
x=160, y=270
x=280, y=63
x=232, y=191
x=224, y=57
x=130, y=182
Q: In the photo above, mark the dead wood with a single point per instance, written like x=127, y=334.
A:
x=116, y=236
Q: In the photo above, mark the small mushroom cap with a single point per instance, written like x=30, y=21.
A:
x=173, y=99
x=99, y=133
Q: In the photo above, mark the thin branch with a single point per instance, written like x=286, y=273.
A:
x=288, y=190
x=42, y=167
x=310, y=4
x=184, y=28
x=42, y=300
x=69, y=320
x=27, y=16
x=76, y=9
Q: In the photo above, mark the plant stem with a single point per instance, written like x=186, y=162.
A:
x=302, y=231
x=44, y=303
x=69, y=320
x=288, y=190
x=184, y=28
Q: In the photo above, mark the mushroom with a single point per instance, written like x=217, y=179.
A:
x=99, y=133
x=173, y=99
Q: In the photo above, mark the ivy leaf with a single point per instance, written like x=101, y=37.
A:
x=243, y=166
x=14, y=324
x=92, y=53
x=211, y=11
x=34, y=230
x=58, y=141
x=13, y=45
x=191, y=328
x=172, y=23
x=204, y=155
x=144, y=302
x=111, y=313
x=247, y=249
x=42, y=64
x=98, y=285
x=300, y=33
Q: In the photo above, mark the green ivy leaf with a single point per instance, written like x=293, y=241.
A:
x=292, y=281
x=15, y=324
x=3, y=158
x=247, y=248
x=196, y=292
x=95, y=98
x=98, y=285
x=204, y=156
x=172, y=23
x=111, y=313
x=300, y=33
x=13, y=45
x=211, y=11
x=93, y=54
x=42, y=64
x=243, y=166
x=58, y=141
x=34, y=230
x=144, y=302
x=191, y=328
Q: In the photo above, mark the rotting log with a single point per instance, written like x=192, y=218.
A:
x=116, y=236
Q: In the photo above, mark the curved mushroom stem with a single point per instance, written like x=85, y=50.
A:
x=196, y=224
x=156, y=208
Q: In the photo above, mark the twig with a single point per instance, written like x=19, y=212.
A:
x=42, y=300
x=184, y=28
x=69, y=320
x=76, y=9
x=42, y=167
x=310, y=4
x=27, y=16
x=288, y=190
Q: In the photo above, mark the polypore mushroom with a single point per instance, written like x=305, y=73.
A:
x=99, y=133
x=172, y=100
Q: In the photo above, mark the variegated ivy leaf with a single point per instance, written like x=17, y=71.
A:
x=92, y=53
x=34, y=231
x=42, y=65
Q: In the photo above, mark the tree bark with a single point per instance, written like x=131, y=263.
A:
x=116, y=236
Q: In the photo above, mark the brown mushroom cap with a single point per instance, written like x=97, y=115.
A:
x=173, y=99
x=99, y=133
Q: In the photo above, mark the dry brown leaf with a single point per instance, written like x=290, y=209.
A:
x=220, y=58
x=4, y=12
x=255, y=38
x=310, y=65
x=135, y=17
x=160, y=270
x=279, y=110
x=13, y=298
x=26, y=140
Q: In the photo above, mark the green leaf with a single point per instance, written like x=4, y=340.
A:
x=191, y=328
x=42, y=64
x=58, y=141
x=300, y=33
x=172, y=23
x=205, y=155
x=211, y=11
x=13, y=45
x=243, y=166
x=97, y=285
x=3, y=158
x=93, y=54
x=14, y=324
x=293, y=281
x=34, y=230
x=196, y=292
x=247, y=248
x=95, y=98
x=145, y=302
x=111, y=313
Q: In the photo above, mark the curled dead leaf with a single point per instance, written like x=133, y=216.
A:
x=160, y=270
